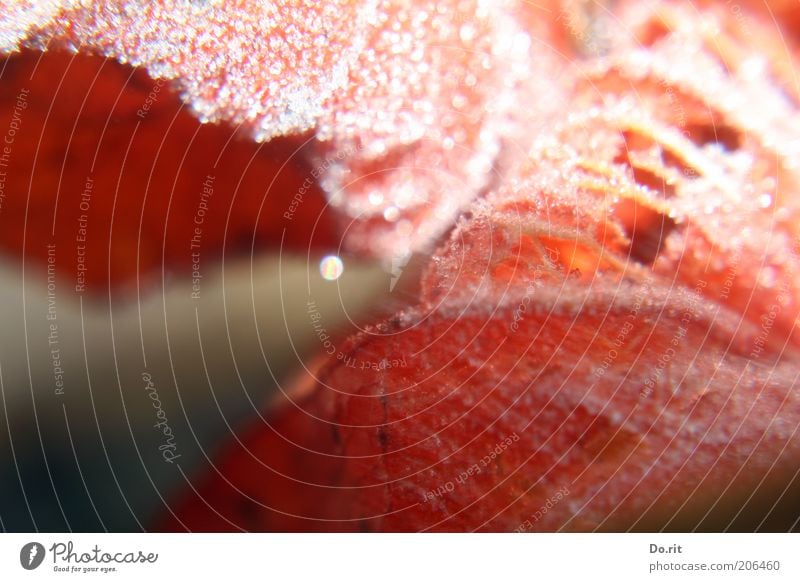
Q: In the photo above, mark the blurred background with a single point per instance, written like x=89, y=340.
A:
x=146, y=313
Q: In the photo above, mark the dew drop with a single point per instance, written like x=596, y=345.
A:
x=331, y=268
x=391, y=214
x=767, y=277
x=467, y=32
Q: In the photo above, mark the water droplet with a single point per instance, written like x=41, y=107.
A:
x=765, y=200
x=391, y=214
x=767, y=277
x=467, y=32
x=331, y=268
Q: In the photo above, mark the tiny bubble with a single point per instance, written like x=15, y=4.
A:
x=331, y=268
x=391, y=214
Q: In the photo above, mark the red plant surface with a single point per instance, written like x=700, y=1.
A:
x=109, y=167
x=605, y=335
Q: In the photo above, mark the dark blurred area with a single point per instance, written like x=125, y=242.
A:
x=136, y=294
